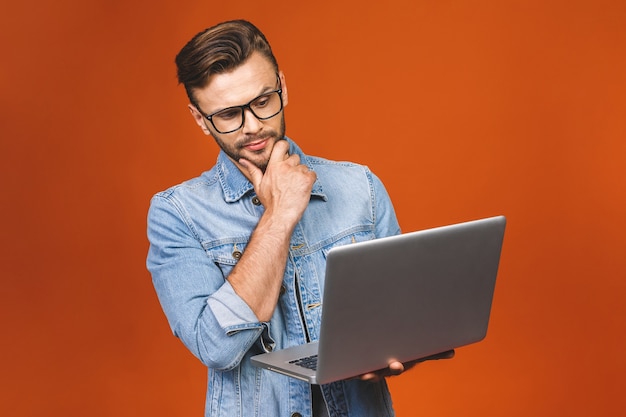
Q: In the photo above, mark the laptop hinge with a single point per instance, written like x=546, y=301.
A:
x=300, y=309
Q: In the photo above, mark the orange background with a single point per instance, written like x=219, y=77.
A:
x=464, y=108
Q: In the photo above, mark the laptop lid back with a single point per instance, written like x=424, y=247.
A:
x=407, y=297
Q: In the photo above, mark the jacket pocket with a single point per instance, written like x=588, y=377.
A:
x=226, y=255
x=348, y=239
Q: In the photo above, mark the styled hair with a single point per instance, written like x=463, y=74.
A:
x=219, y=49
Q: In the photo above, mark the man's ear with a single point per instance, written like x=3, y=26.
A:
x=199, y=118
x=283, y=84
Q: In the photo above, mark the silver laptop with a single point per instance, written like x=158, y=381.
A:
x=399, y=298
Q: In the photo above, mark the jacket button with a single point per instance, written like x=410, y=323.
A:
x=236, y=254
x=296, y=415
x=256, y=201
x=283, y=289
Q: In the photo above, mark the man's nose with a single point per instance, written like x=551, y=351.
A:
x=250, y=122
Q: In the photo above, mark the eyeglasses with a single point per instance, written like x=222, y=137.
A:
x=263, y=107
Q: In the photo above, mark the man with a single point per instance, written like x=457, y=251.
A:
x=237, y=255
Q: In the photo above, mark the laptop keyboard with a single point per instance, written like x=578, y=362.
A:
x=309, y=362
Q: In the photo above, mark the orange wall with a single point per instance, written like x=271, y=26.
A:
x=464, y=108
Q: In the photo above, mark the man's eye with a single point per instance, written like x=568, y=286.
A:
x=262, y=101
x=228, y=114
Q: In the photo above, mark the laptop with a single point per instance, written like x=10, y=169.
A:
x=399, y=298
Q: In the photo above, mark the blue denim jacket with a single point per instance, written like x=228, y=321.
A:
x=199, y=229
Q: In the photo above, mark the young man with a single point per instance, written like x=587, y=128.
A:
x=237, y=255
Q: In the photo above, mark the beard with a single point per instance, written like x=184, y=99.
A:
x=236, y=150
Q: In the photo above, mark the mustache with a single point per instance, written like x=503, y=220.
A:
x=257, y=138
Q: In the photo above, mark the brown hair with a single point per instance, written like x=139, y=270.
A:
x=219, y=49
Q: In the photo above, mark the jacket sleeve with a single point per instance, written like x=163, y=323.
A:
x=202, y=308
x=384, y=213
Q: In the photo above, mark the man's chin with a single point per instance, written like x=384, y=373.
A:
x=258, y=160
x=261, y=164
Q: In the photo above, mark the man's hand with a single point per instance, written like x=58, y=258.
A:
x=396, y=368
x=285, y=186
x=284, y=190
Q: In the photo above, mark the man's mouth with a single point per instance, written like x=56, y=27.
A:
x=256, y=145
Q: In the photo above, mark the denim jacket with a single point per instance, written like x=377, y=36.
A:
x=200, y=228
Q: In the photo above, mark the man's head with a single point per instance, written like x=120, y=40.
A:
x=217, y=50
x=235, y=88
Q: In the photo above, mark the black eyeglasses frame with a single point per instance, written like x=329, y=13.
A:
x=243, y=108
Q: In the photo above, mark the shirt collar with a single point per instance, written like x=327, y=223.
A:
x=235, y=185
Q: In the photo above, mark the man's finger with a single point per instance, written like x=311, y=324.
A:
x=396, y=368
x=280, y=152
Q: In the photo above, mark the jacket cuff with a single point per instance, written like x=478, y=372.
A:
x=231, y=312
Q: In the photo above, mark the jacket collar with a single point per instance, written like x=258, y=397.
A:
x=235, y=185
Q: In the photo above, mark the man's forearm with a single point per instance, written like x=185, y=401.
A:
x=258, y=276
